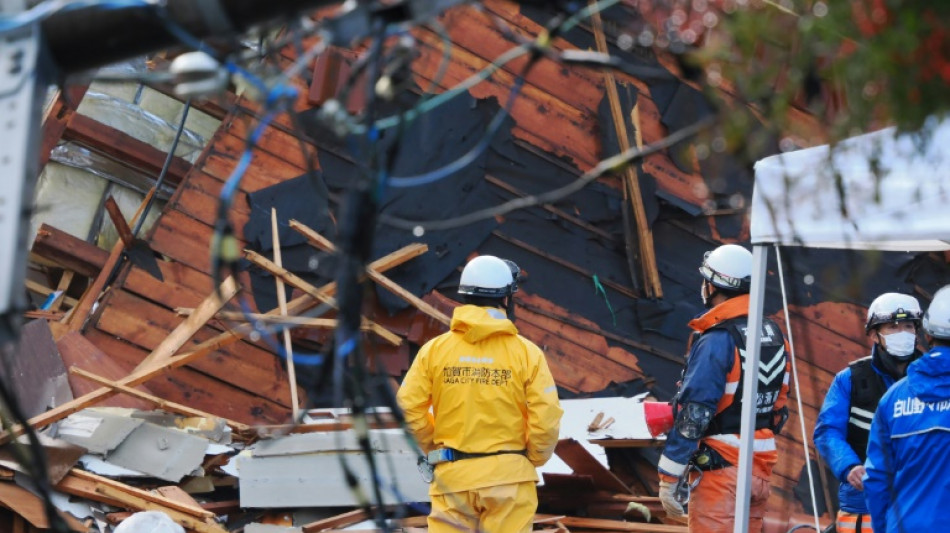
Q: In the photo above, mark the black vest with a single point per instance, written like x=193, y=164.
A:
x=867, y=388
x=772, y=363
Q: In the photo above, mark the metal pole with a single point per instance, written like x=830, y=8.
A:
x=750, y=387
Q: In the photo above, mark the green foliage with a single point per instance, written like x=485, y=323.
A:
x=856, y=65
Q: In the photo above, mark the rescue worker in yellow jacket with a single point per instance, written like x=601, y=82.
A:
x=494, y=414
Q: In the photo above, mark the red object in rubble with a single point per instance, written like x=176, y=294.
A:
x=659, y=416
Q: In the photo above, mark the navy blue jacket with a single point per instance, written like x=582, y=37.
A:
x=907, y=485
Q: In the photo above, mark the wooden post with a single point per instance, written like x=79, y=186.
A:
x=282, y=305
x=651, y=274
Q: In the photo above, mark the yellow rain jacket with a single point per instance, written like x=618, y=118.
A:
x=489, y=389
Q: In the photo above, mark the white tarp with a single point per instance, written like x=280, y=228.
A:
x=900, y=206
x=877, y=191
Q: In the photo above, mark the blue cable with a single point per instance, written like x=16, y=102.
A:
x=440, y=173
x=304, y=359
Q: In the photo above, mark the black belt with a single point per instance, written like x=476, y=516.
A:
x=707, y=459
x=458, y=455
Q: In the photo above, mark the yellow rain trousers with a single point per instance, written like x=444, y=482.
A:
x=489, y=390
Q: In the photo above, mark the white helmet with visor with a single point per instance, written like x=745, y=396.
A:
x=728, y=267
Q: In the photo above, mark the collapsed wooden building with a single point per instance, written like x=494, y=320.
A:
x=610, y=271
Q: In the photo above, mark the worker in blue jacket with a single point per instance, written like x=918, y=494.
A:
x=906, y=486
x=841, y=432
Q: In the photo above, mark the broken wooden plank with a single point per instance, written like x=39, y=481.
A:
x=162, y=501
x=282, y=305
x=56, y=118
x=320, y=242
x=338, y=521
x=639, y=249
x=69, y=252
x=118, y=220
x=137, y=502
x=61, y=289
x=187, y=329
x=39, y=288
x=313, y=292
x=161, y=403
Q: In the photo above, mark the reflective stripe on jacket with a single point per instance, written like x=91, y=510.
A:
x=489, y=390
x=711, y=379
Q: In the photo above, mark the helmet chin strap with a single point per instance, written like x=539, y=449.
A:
x=509, y=305
x=707, y=295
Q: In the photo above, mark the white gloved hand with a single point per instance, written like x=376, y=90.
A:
x=668, y=499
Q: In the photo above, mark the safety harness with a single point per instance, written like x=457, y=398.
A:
x=867, y=388
x=771, y=374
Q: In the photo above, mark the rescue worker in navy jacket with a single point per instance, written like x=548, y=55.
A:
x=495, y=413
x=703, y=445
x=906, y=486
x=841, y=432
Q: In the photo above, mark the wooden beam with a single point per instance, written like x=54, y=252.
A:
x=322, y=243
x=69, y=252
x=161, y=403
x=314, y=292
x=282, y=305
x=83, y=309
x=57, y=117
x=646, y=252
x=125, y=148
x=121, y=226
x=187, y=329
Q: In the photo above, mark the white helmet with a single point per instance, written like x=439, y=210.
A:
x=937, y=318
x=488, y=276
x=728, y=267
x=893, y=307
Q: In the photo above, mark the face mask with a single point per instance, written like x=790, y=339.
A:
x=900, y=344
